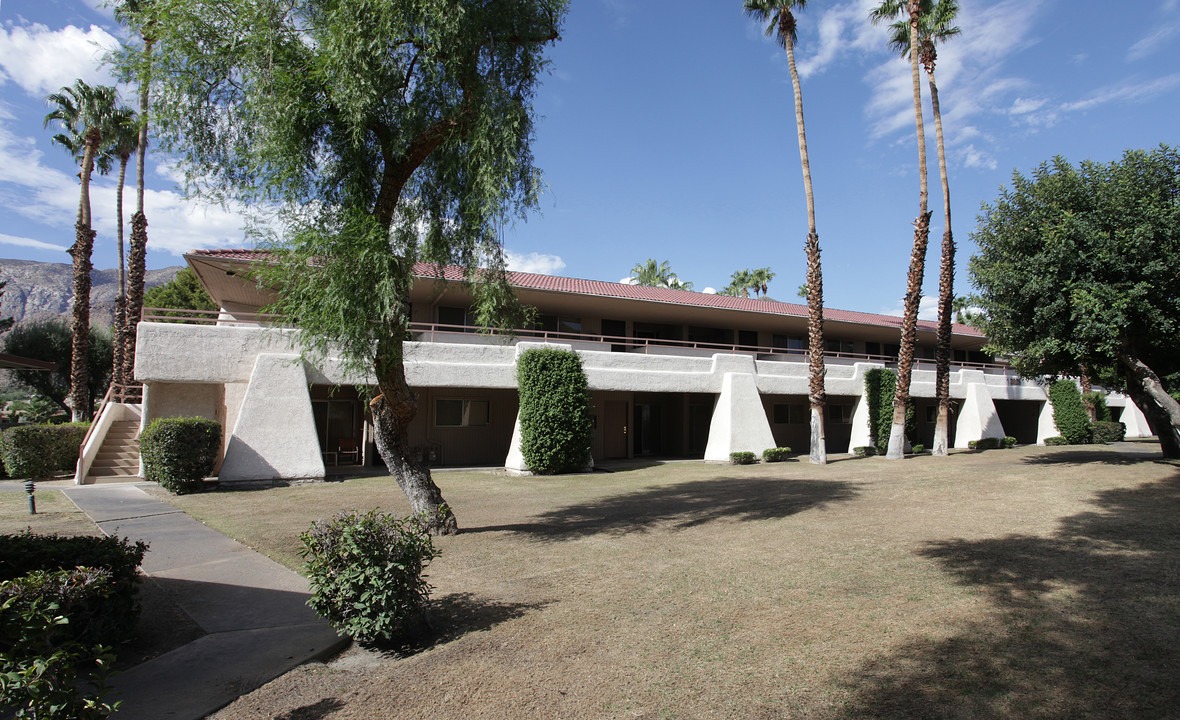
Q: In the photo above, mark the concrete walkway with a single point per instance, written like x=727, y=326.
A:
x=251, y=608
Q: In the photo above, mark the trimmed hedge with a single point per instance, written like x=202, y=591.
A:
x=1057, y=440
x=179, y=453
x=989, y=443
x=555, y=423
x=40, y=451
x=776, y=454
x=366, y=574
x=1008, y=442
x=1108, y=432
x=103, y=617
x=880, y=387
x=1069, y=413
x=864, y=451
x=744, y=457
x=918, y=449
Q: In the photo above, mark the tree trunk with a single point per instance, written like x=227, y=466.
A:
x=816, y=396
x=80, y=345
x=1145, y=388
x=121, y=299
x=913, y=296
x=946, y=281
x=392, y=412
x=135, y=275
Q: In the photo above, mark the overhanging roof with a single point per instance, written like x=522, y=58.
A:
x=16, y=362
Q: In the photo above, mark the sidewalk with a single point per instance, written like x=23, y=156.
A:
x=252, y=609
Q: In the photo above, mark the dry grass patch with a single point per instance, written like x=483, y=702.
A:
x=55, y=514
x=1036, y=582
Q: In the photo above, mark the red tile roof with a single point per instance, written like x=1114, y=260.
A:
x=599, y=288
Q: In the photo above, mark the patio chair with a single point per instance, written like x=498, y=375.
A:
x=348, y=446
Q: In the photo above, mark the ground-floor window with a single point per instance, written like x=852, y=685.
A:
x=450, y=412
x=791, y=414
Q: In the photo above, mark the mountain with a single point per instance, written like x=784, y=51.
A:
x=39, y=290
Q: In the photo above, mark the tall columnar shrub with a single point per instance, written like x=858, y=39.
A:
x=880, y=385
x=1069, y=413
x=366, y=574
x=179, y=453
x=554, y=411
x=39, y=451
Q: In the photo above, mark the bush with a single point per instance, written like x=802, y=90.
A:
x=742, y=458
x=1008, y=442
x=864, y=451
x=1058, y=440
x=104, y=618
x=41, y=666
x=880, y=387
x=179, y=453
x=1069, y=414
x=365, y=571
x=555, y=421
x=918, y=449
x=776, y=454
x=39, y=451
x=1108, y=432
x=989, y=443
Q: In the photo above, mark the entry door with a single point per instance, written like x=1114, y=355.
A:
x=616, y=429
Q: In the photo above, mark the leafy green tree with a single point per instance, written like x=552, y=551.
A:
x=917, y=271
x=86, y=115
x=412, y=144
x=183, y=292
x=1080, y=267
x=52, y=341
x=935, y=25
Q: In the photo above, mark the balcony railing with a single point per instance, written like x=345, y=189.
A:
x=440, y=332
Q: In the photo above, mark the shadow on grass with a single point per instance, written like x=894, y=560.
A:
x=1086, y=624
x=682, y=505
x=453, y=616
x=315, y=711
x=1114, y=454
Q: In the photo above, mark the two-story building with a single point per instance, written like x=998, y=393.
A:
x=672, y=373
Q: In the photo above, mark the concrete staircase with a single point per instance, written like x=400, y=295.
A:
x=118, y=456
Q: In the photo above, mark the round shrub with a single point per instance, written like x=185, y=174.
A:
x=1108, y=432
x=1056, y=441
x=179, y=453
x=1069, y=413
x=555, y=422
x=40, y=451
x=864, y=451
x=744, y=457
x=365, y=571
x=918, y=449
x=1008, y=442
x=776, y=454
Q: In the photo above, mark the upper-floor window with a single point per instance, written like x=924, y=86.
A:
x=839, y=346
x=790, y=343
x=457, y=316
x=558, y=323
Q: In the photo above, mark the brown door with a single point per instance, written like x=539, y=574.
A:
x=616, y=429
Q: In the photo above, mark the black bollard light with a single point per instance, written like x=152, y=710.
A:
x=30, y=488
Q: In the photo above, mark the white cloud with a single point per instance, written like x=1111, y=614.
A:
x=31, y=243
x=42, y=61
x=1022, y=106
x=1122, y=92
x=50, y=197
x=709, y=291
x=540, y=263
x=976, y=158
x=841, y=29
x=1152, y=42
x=927, y=308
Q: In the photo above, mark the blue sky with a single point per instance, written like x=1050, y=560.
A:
x=666, y=130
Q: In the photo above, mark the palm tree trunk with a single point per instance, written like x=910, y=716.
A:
x=138, y=252
x=946, y=285
x=121, y=299
x=909, y=328
x=81, y=251
x=815, y=292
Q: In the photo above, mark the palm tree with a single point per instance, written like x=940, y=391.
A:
x=935, y=25
x=913, y=295
x=760, y=280
x=137, y=13
x=651, y=274
x=739, y=285
x=123, y=142
x=780, y=23
x=84, y=113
